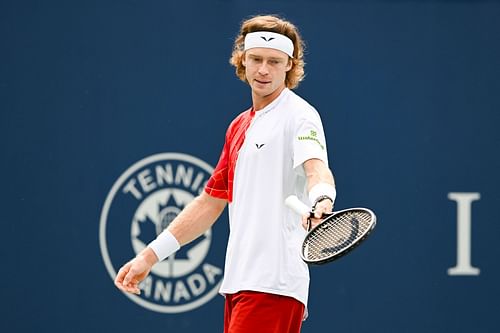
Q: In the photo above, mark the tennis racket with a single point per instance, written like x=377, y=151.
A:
x=336, y=235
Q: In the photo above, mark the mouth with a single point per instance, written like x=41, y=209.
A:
x=262, y=82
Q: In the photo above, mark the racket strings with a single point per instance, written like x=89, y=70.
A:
x=336, y=234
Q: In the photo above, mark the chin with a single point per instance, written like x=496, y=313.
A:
x=262, y=92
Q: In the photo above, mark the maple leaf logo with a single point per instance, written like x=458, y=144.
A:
x=152, y=226
x=147, y=231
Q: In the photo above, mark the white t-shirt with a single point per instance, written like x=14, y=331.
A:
x=262, y=164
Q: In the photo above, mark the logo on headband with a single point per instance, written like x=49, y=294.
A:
x=140, y=205
x=267, y=39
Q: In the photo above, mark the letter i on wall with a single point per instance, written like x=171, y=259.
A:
x=464, y=202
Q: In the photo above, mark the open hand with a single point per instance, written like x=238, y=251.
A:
x=132, y=273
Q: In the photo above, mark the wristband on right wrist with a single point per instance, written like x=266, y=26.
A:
x=164, y=245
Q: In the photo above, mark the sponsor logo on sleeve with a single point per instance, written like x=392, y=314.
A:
x=312, y=136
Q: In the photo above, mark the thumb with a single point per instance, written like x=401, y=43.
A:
x=127, y=279
x=129, y=275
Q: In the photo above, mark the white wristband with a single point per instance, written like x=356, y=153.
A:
x=321, y=189
x=164, y=245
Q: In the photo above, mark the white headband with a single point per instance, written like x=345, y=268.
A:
x=269, y=40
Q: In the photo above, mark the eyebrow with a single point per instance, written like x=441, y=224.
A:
x=269, y=58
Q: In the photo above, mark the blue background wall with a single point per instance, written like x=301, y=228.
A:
x=409, y=96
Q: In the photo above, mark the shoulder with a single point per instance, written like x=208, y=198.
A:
x=238, y=119
x=298, y=108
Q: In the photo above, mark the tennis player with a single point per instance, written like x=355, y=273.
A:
x=274, y=149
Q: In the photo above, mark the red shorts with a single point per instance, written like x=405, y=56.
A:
x=251, y=312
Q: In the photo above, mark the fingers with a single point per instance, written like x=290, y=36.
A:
x=305, y=224
x=313, y=222
x=128, y=277
x=131, y=284
x=322, y=208
x=305, y=221
x=309, y=222
x=308, y=225
x=121, y=275
x=125, y=279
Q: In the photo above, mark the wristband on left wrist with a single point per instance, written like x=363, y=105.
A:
x=322, y=191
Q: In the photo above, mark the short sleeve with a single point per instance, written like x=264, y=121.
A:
x=309, y=139
x=220, y=184
x=217, y=185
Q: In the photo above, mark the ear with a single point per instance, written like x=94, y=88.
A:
x=289, y=65
x=243, y=59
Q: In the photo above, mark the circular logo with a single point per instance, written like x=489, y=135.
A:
x=141, y=204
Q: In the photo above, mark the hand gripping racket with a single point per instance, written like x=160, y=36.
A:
x=336, y=235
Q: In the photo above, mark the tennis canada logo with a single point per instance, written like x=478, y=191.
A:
x=143, y=202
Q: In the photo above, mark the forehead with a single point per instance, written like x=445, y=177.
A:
x=263, y=52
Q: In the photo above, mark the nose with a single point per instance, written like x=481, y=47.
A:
x=263, y=69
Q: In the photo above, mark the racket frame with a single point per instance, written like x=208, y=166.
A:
x=347, y=249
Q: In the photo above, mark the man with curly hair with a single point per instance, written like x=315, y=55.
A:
x=274, y=149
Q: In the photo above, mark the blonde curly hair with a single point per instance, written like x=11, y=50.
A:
x=275, y=24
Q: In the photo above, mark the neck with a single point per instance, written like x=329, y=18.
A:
x=260, y=102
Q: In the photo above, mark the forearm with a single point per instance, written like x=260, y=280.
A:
x=317, y=172
x=321, y=186
x=196, y=218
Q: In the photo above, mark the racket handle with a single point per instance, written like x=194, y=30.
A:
x=296, y=205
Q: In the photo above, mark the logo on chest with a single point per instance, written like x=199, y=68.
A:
x=259, y=145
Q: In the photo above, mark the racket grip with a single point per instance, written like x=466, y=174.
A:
x=296, y=205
